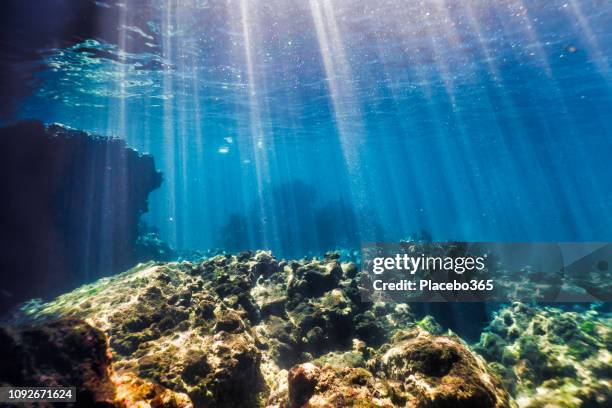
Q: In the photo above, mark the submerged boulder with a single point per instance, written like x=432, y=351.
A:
x=417, y=370
x=70, y=353
x=62, y=353
x=71, y=204
x=439, y=371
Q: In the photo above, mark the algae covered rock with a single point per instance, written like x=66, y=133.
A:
x=314, y=278
x=551, y=357
x=439, y=371
x=167, y=327
x=302, y=381
x=417, y=370
x=328, y=386
x=223, y=330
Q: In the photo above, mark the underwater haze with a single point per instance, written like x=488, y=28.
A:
x=305, y=126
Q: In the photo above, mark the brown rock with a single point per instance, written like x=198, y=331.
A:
x=438, y=371
x=328, y=386
x=302, y=382
x=70, y=353
x=61, y=353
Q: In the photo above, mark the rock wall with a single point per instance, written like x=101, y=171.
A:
x=70, y=207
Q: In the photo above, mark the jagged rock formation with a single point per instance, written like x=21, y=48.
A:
x=250, y=331
x=70, y=209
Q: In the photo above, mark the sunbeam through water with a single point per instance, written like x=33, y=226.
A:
x=469, y=120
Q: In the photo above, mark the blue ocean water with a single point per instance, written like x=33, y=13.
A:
x=305, y=126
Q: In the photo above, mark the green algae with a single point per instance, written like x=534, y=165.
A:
x=588, y=327
x=428, y=323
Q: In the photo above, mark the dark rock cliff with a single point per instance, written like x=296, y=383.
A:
x=69, y=210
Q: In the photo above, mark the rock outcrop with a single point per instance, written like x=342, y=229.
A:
x=70, y=209
x=70, y=353
x=417, y=369
x=439, y=371
x=168, y=325
x=252, y=331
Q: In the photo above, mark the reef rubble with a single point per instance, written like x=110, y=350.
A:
x=249, y=330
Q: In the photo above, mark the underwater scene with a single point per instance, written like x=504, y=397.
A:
x=315, y=203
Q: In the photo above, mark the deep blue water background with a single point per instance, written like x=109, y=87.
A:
x=313, y=125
